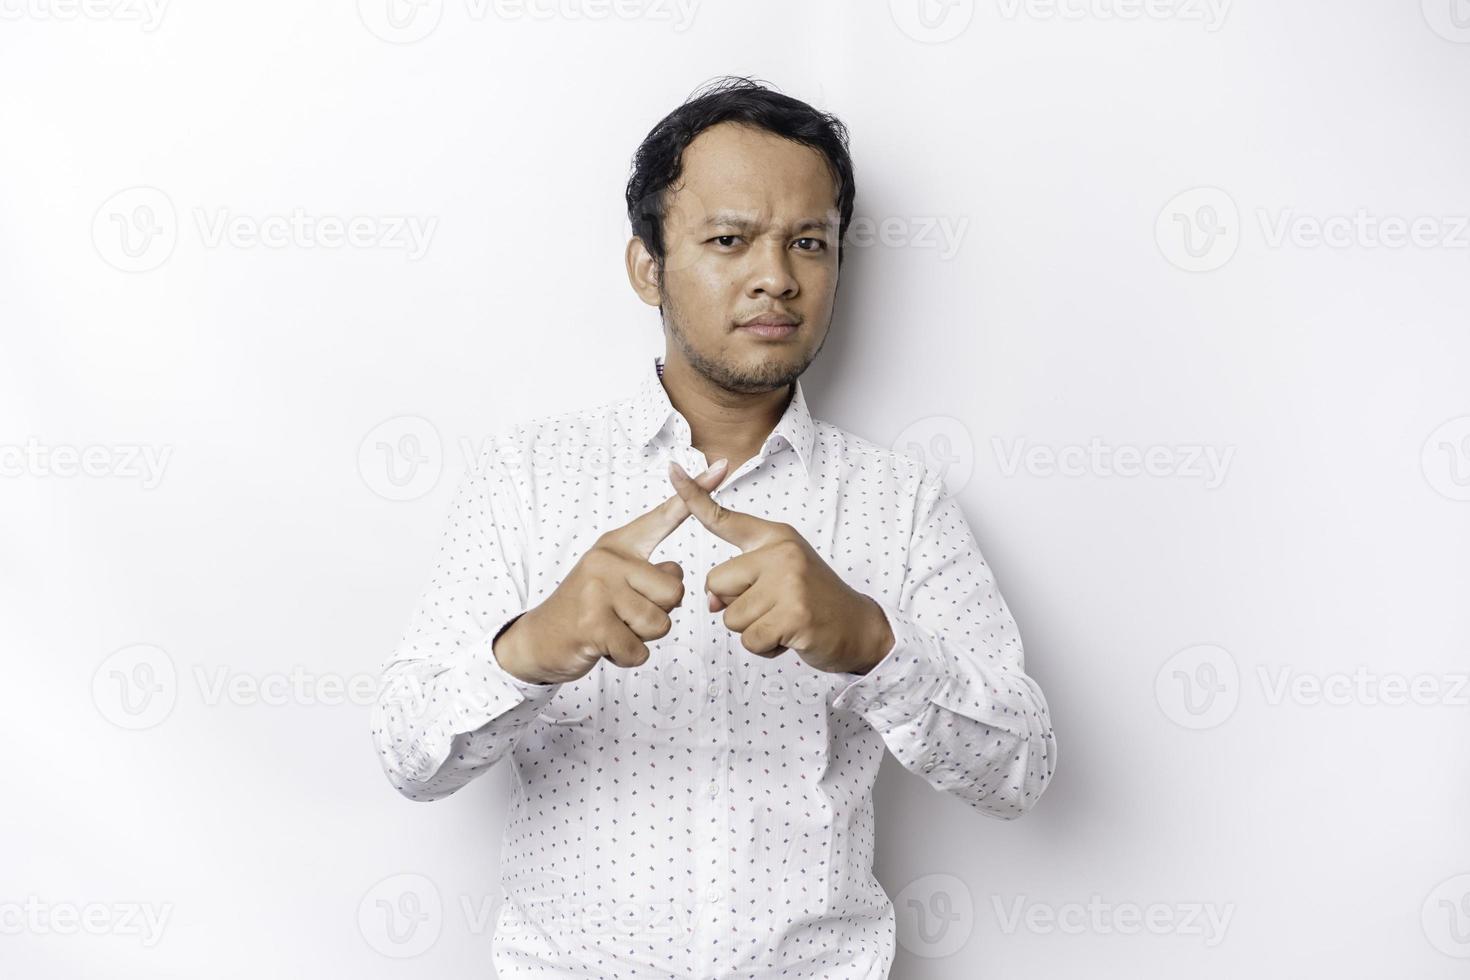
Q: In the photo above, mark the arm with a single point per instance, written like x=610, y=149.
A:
x=447, y=709
x=951, y=697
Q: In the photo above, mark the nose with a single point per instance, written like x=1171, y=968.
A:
x=772, y=275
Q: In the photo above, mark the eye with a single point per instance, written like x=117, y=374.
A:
x=821, y=244
x=722, y=239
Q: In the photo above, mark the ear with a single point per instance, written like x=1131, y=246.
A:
x=642, y=271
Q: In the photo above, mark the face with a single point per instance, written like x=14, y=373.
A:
x=750, y=229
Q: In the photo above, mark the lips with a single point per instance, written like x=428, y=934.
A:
x=770, y=331
x=771, y=326
x=771, y=320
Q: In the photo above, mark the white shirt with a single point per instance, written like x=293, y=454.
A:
x=708, y=813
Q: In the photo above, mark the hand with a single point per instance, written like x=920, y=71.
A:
x=779, y=593
x=611, y=601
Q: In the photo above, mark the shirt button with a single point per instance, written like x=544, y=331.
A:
x=714, y=689
x=712, y=896
x=928, y=767
x=713, y=789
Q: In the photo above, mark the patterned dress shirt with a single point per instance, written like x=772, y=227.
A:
x=708, y=813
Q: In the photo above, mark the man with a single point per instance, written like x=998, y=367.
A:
x=693, y=779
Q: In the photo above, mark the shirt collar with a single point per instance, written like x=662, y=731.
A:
x=651, y=412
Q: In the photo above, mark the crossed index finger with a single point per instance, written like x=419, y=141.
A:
x=644, y=533
x=745, y=531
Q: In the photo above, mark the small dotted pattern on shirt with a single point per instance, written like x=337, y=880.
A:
x=708, y=813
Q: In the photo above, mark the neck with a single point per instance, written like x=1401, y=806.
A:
x=723, y=423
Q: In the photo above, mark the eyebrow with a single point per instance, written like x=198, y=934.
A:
x=735, y=219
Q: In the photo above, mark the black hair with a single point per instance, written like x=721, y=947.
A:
x=657, y=162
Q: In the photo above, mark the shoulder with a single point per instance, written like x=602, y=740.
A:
x=856, y=458
x=517, y=445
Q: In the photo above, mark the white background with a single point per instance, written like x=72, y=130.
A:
x=1331, y=381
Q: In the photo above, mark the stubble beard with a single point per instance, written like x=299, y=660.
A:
x=727, y=376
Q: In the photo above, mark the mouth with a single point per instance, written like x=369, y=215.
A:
x=770, y=326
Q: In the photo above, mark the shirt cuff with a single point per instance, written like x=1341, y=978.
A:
x=486, y=693
x=899, y=687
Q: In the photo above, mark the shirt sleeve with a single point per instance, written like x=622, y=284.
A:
x=951, y=698
x=446, y=709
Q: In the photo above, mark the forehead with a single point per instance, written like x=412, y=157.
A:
x=734, y=167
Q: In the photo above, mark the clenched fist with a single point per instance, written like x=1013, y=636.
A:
x=611, y=601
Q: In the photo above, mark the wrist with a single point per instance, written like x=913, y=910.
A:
x=510, y=651
x=875, y=637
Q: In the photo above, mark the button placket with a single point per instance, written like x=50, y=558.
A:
x=711, y=822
